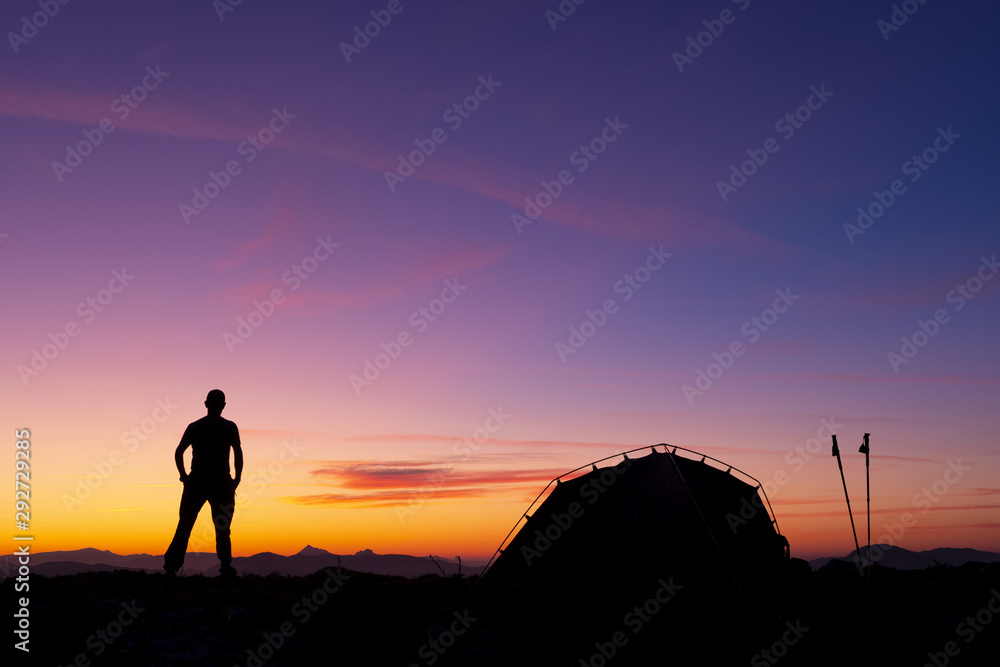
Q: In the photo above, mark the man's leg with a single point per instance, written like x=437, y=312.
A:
x=191, y=502
x=223, y=504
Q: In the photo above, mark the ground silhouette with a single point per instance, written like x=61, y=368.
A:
x=377, y=620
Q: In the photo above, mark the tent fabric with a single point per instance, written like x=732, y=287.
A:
x=657, y=512
x=615, y=536
x=658, y=554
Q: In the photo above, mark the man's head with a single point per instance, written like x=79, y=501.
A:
x=215, y=401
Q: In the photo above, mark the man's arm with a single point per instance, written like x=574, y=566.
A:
x=179, y=456
x=238, y=463
x=237, y=457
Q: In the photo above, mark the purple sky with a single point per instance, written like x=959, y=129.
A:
x=834, y=106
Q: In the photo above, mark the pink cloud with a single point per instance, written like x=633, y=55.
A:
x=928, y=290
x=422, y=270
x=889, y=511
x=980, y=492
x=424, y=437
x=782, y=502
x=453, y=263
x=908, y=459
x=156, y=116
x=391, y=483
x=883, y=379
x=619, y=219
x=273, y=233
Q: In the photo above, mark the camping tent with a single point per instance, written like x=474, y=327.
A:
x=692, y=534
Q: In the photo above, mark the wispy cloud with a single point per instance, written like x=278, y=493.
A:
x=609, y=448
x=388, y=284
x=213, y=118
x=424, y=267
x=274, y=232
x=270, y=433
x=908, y=459
x=617, y=218
x=884, y=379
x=893, y=511
x=391, y=483
x=89, y=108
x=981, y=492
x=393, y=498
x=439, y=438
x=781, y=502
x=926, y=290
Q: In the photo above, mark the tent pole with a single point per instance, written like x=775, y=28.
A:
x=708, y=529
x=836, y=452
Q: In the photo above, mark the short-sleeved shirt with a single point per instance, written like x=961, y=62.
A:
x=211, y=438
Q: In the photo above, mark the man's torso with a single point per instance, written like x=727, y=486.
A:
x=211, y=438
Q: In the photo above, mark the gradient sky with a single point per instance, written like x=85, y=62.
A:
x=394, y=465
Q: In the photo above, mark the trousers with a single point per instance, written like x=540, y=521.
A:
x=221, y=498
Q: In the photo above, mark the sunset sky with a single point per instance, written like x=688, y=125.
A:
x=436, y=265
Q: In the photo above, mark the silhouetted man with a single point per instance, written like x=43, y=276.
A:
x=210, y=439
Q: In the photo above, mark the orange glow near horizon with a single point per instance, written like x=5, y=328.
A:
x=453, y=505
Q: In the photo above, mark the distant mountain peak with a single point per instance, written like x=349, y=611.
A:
x=904, y=559
x=310, y=550
x=366, y=552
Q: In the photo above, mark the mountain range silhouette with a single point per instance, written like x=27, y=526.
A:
x=904, y=559
x=307, y=561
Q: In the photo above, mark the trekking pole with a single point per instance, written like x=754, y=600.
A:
x=836, y=452
x=868, y=493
